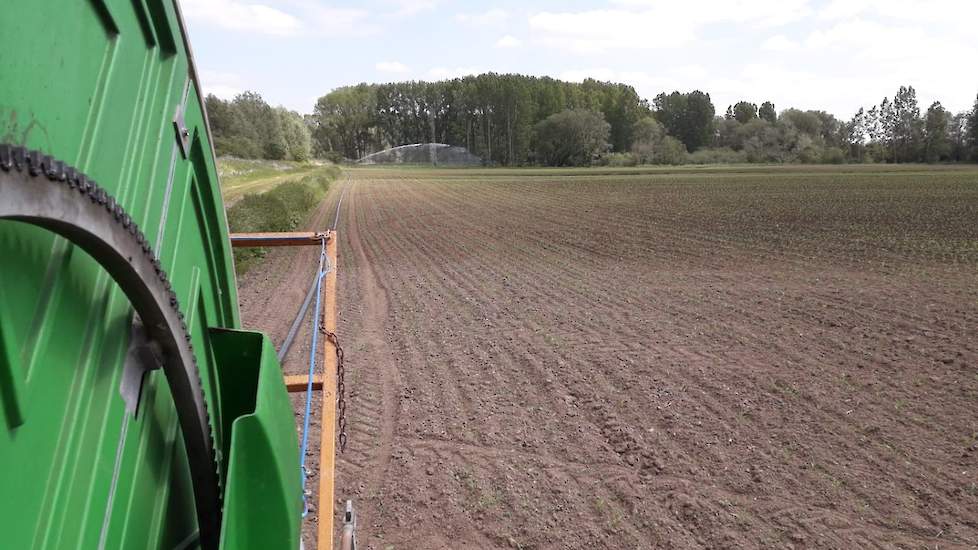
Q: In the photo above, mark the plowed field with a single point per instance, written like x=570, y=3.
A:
x=764, y=358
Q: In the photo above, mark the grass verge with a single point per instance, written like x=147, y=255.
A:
x=280, y=209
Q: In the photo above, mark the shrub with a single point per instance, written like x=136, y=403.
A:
x=335, y=157
x=833, y=155
x=256, y=213
x=297, y=197
x=653, y=146
x=237, y=146
x=621, y=159
x=721, y=155
x=575, y=137
x=281, y=209
x=670, y=151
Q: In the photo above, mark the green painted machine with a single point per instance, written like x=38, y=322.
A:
x=135, y=413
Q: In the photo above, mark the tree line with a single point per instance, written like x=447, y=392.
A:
x=493, y=115
x=510, y=119
x=248, y=127
x=892, y=131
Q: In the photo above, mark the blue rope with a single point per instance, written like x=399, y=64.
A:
x=312, y=367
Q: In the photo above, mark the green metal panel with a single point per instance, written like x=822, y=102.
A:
x=262, y=504
x=97, y=84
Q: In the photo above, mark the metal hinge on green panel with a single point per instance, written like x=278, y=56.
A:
x=183, y=134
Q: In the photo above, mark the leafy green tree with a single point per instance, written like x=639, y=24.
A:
x=832, y=155
x=296, y=135
x=958, y=137
x=275, y=146
x=651, y=144
x=246, y=127
x=806, y=122
x=670, y=151
x=744, y=111
x=937, y=143
x=622, y=108
x=647, y=136
x=856, y=131
x=766, y=142
x=516, y=117
x=767, y=112
x=726, y=130
x=973, y=131
x=907, y=125
x=832, y=133
x=263, y=125
x=887, y=119
x=220, y=115
x=896, y=131
x=232, y=133
x=575, y=137
x=345, y=120
x=688, y=117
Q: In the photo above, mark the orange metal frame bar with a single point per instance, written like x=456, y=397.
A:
x=303, y=238
x=296, y=383
x=299, y=383
x=327, y=446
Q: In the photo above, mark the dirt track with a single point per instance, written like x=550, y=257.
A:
x=565, y=362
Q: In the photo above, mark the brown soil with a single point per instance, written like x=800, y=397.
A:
x=565, y=362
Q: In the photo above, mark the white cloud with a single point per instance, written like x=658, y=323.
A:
x=654, y=24
x=340, y=21
x=779, y=43
x=955, y=13
x=598, y=31
x=869, y=40
x=842, y=9
x=850, y=53
x=308, y=17
x=243, y=16
x=509, y=41
x=329, y=22
x=442, y=73
x=412, y=7
x=883, y=55
x=490, y=17
x=392, y=67
x=822, y=54
x=693, y=72
x=223, y=85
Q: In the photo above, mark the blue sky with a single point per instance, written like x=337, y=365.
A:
x=835, y=55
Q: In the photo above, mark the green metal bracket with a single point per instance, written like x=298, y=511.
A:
x=11, y=373
x=263, y=495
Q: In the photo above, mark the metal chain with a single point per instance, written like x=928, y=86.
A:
x=340, y=382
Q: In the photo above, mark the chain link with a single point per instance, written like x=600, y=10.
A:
x=340, y=382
